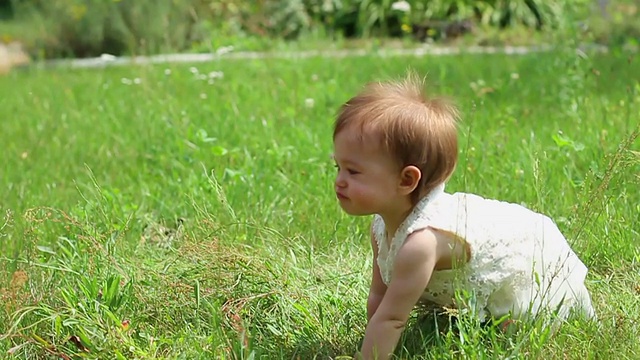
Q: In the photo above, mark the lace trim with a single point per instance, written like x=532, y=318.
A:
x=418, y=219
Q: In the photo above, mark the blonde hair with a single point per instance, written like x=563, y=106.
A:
x=413, y=128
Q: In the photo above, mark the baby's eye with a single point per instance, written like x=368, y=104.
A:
x=349, y=170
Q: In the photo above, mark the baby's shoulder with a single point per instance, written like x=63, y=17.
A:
x=422, y=243
x=442, y=247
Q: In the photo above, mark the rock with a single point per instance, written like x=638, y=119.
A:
x=12, y=55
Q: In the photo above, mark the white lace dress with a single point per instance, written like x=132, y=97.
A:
x=520, y=262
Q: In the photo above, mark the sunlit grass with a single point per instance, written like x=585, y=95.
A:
x=171, y=212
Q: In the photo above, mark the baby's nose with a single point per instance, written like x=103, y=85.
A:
x=340, y=180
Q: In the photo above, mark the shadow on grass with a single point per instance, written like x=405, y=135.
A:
x=424, y=332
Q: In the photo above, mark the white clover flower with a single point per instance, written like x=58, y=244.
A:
x=309, y=103
x=401, y=6
x=515, y=76
x=216, y=75
x=126, y=81
x=167, y=72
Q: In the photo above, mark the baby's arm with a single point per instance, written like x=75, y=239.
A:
x=412, y=270
x=377, y=288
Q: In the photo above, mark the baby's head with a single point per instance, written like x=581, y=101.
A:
x=396, y=119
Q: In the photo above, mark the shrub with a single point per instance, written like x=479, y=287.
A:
x=91, y=27
x=387, y=17
x=615, y=25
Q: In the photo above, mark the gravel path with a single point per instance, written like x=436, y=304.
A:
x=227, y=53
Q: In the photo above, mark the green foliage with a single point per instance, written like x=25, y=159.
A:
x=387, y=17
x=615, y=25
x=90, y=28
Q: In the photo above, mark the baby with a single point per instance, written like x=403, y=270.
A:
x=394, y=149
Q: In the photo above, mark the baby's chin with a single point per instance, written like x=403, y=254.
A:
x=355, y=212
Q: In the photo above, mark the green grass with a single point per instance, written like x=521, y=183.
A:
x=175, y=217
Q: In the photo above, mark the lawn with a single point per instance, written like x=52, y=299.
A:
x=177, y=211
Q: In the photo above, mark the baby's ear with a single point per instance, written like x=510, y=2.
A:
x=409, y=179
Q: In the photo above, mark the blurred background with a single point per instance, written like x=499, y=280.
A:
x=45, y=29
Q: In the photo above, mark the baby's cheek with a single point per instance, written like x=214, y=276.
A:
x=366, y=195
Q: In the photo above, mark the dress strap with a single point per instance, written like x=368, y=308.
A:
x=418, y=219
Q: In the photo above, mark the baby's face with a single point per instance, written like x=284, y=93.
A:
x=367, y=178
